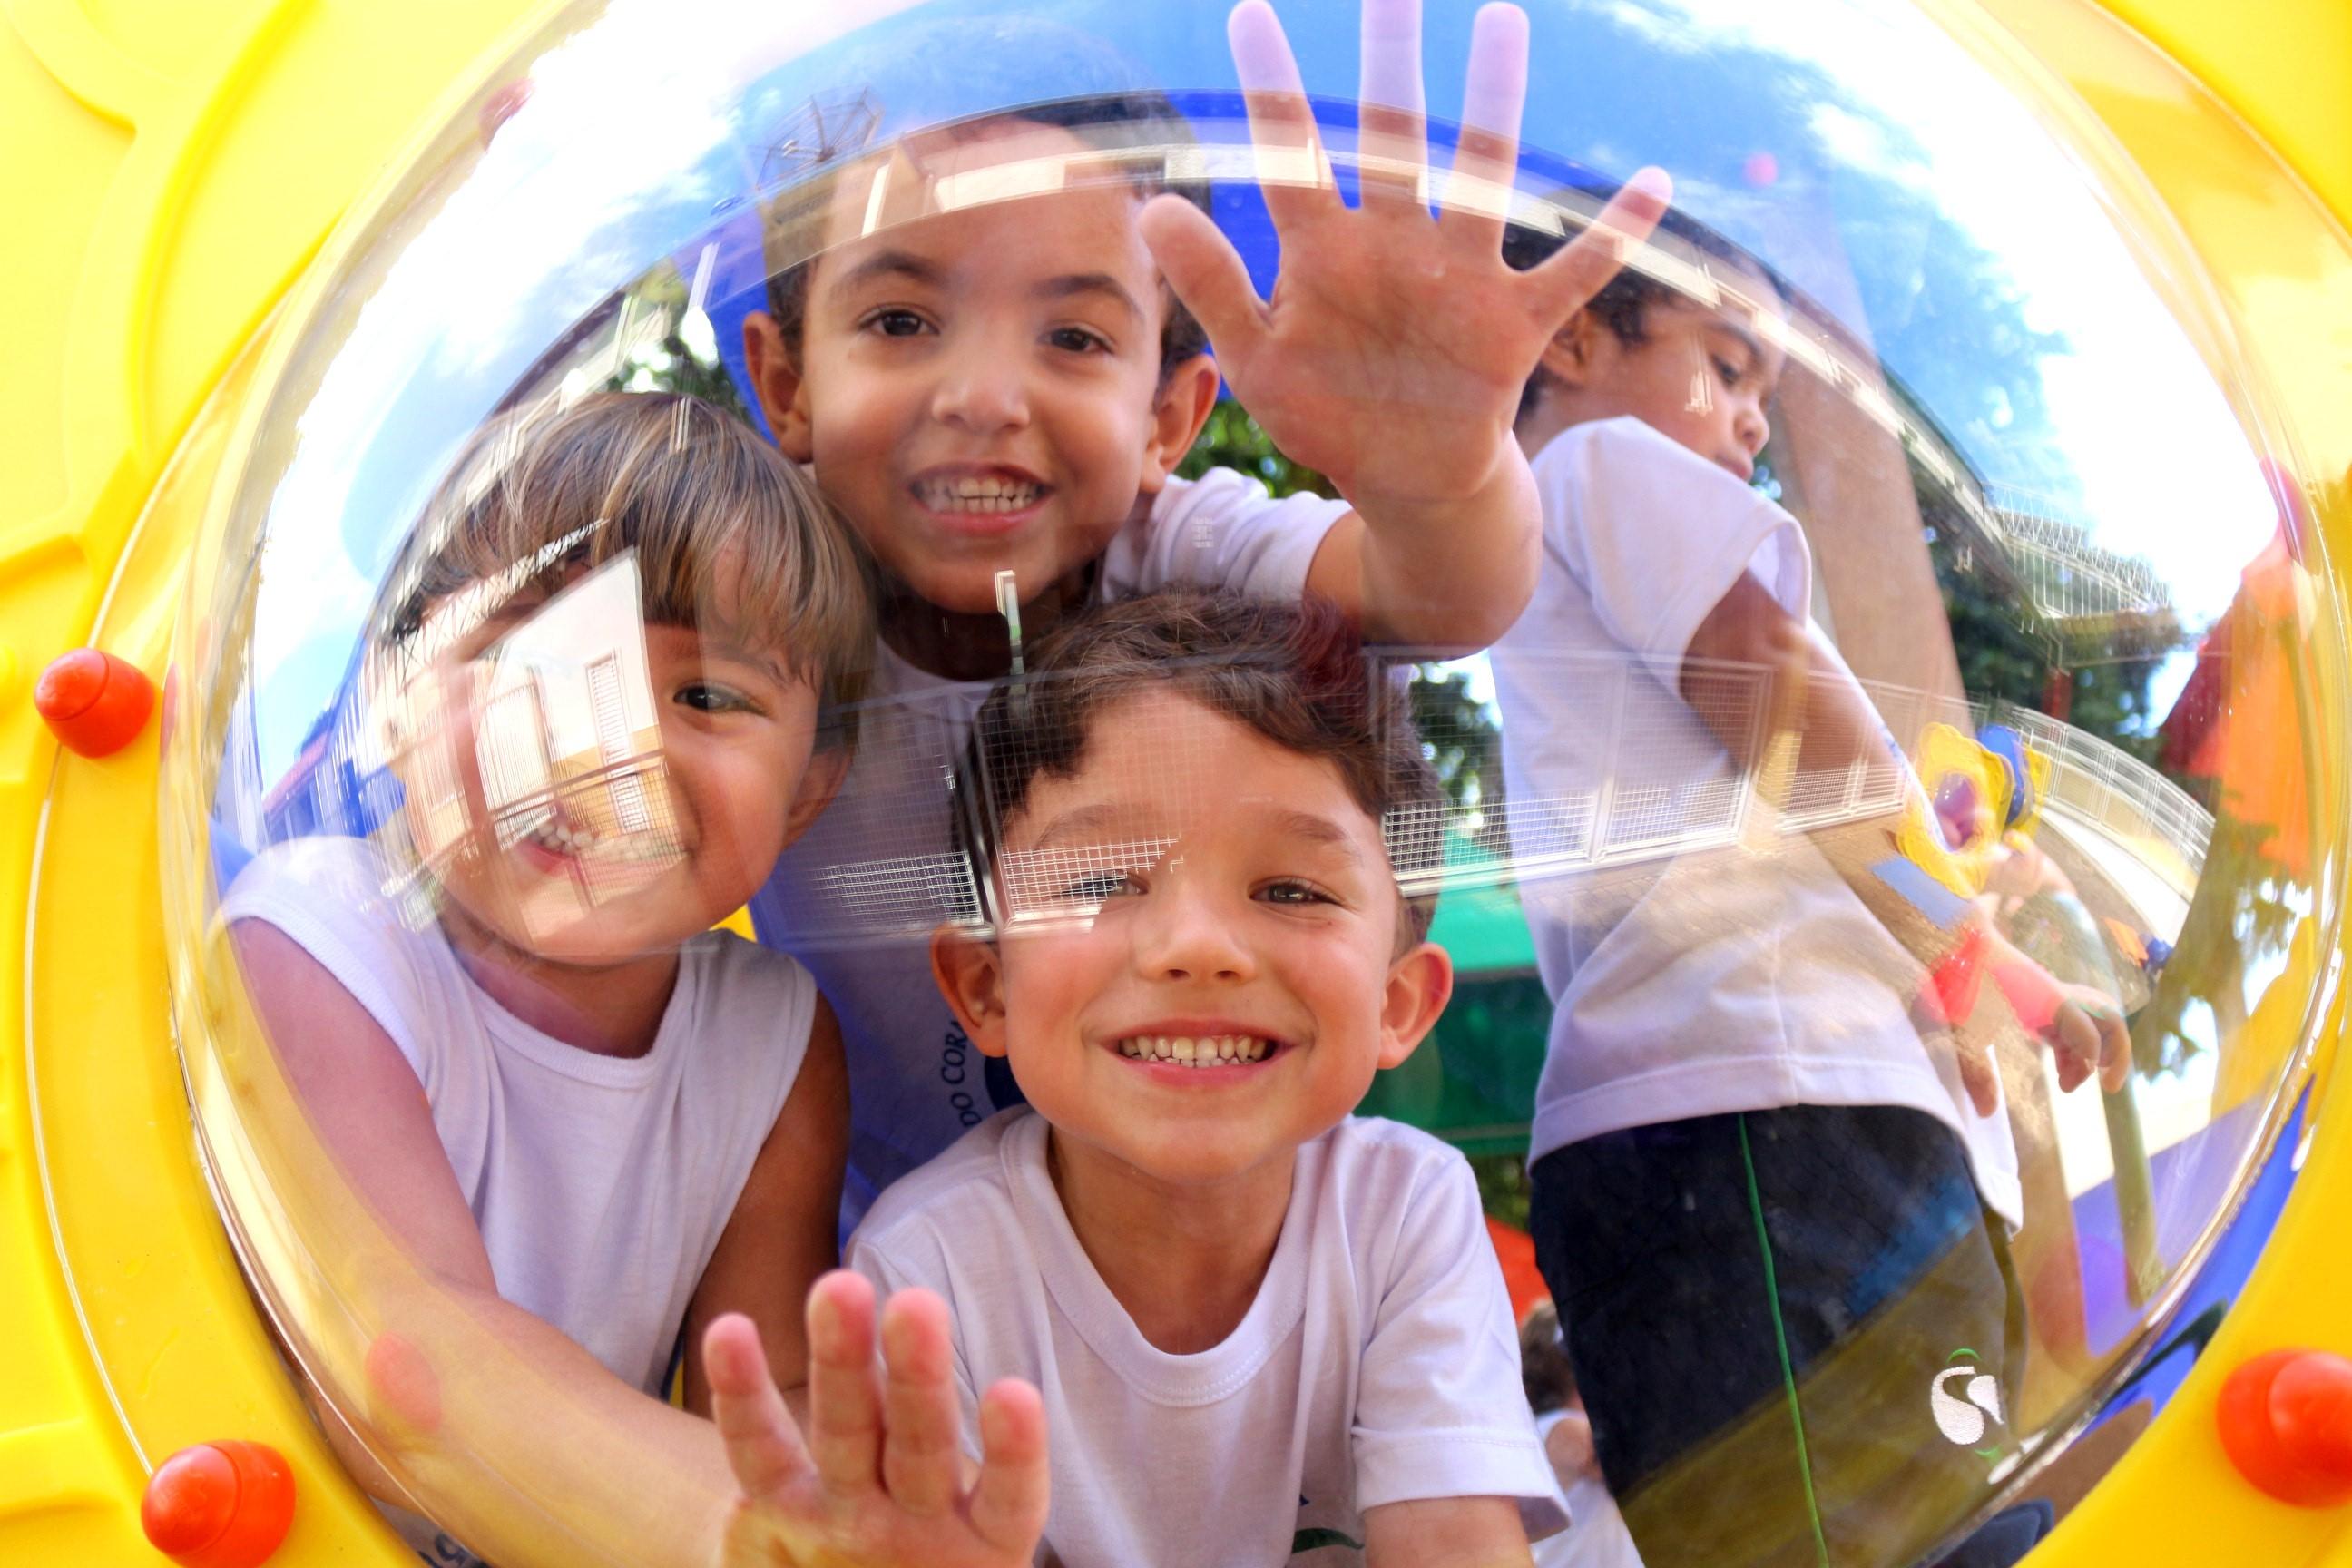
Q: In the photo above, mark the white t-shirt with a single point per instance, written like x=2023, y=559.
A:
x=1377, y=1365
x=1738, y=979
x=601, y=1183
x=857, y=897
x=1596, y=1536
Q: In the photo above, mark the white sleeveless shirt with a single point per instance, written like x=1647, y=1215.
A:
x=601, y=1183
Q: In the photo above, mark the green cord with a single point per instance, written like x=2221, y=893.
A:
x=1780, y=1341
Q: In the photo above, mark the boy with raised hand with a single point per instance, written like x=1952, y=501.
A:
x=1007, y=388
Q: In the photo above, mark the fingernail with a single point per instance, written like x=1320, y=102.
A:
x=823, y=1327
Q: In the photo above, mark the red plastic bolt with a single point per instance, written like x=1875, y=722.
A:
x=94, y=703
x=2287, y=1423
x=225, y=1504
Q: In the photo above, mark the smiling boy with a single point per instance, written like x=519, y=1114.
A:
x=997, y=389
x=1185, y=1241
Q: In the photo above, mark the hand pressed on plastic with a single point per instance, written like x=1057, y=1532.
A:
x=878, y=1482
x=2084, y=1027
x=1394, y=351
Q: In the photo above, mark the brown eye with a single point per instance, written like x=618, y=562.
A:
x=1097, y=886
x=710, y=697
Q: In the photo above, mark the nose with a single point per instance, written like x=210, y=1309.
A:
x=1183, y=932
x=982, y=386
x=1749, y=426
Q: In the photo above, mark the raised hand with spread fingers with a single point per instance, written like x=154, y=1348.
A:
x=1393, y=353
x=880, y=1479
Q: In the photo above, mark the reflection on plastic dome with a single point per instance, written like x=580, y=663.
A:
x=1784, y=737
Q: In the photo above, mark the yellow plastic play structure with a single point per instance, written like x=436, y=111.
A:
x=177, y=174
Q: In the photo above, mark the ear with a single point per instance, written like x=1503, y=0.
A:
x=776, y=382
x=1178, y=413
x=828, y=768
x=1420, y=984
x=1570, y=356
x=971, y=975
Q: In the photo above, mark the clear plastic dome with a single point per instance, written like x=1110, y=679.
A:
x=1879, y=871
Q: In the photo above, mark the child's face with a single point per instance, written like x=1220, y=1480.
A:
x=979, y=390
x=1698, y=376
x=1238, y=897
x=637, y=846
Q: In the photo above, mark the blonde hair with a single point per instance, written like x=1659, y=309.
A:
x=729, y=536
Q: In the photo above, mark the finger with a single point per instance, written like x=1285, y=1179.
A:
x=1981, y=1079
x=763, y=1447
x=1208, y=274
x=2115, y=1050
x=921, y=1460
x=1292, y=172
x=1009, y=1502
x=1559, y=288
x=844, y=1438
x=2077, y=1042
x=1485, y=160
x=1392, y=141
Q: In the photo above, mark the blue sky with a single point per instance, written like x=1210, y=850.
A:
x=1892, y=147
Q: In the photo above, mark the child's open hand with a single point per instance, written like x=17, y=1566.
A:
x=2084, y=1027
x=1394, y=351
x=879, y=1480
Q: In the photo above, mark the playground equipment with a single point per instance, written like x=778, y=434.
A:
x=279, y=258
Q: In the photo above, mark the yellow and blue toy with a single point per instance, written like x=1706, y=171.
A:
x=218, y=210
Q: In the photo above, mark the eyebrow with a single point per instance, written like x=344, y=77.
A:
x=1761, y=359
x=1075, y=823
x=1290, y=821
x=1319, y=830
x=1746, y=339
x=889, y=264
x=766, y=662
x=707, y=647
x=1097, y=283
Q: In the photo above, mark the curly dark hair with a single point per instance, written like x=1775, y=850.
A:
x=1623, y=302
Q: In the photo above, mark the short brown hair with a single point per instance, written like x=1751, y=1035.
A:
x=1294, y=673
x=728, y=535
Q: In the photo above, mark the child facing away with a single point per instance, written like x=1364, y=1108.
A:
x=1001, y=391
x=1766, y=1191
x=591, y=1119
x=1265, y=1330
x=1595, y=1537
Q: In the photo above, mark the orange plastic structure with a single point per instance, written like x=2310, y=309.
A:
x=2287, y=1423
x=95, y=703
x=219, y=1505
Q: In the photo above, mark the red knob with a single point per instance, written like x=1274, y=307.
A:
x=2287, y=1423
x=94, y=703
x=219, y=1505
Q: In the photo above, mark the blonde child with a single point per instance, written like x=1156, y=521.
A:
x=600, y=675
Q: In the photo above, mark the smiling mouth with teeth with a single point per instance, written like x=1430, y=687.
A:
x=559, y=836
x=978, y=494
x=1206, y=1051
